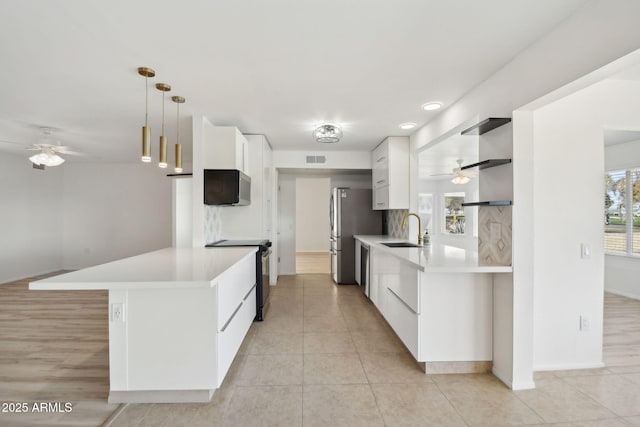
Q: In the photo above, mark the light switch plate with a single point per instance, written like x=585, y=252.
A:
x=585, y=251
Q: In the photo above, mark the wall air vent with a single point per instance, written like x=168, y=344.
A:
x=316, y=160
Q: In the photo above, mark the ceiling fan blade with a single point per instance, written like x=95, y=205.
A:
x=69, y=152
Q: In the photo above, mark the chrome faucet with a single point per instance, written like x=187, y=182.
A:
x=404, y=223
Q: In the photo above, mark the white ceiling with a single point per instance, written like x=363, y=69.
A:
x=278, y=67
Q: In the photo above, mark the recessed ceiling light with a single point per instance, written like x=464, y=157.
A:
x=407, y=126
x=431, y=106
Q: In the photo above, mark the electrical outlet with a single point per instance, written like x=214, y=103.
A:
x=496, y=231
x=585, y=325
x=117, y=312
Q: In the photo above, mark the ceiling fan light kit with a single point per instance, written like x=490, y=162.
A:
x=46, y=158
x=327, y=134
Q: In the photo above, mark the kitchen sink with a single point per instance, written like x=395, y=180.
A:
x=400, y=244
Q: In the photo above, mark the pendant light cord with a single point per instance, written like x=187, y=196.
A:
x=163, y=112
x=178, y=125
x=146, y=101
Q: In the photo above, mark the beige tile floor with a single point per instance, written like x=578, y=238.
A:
x=324, y=356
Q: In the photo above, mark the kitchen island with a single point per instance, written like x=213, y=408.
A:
x=177, y=317
x=439, y=301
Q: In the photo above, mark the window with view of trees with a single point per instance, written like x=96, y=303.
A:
x=454, y=220
x=622, y=212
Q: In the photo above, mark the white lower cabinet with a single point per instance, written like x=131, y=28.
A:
x=404, y=321
x=438, y=316
x=232, y=333
x=236, y=311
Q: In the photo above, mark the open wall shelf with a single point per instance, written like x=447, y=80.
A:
x=486, y=164
x=489, y=203
x=486, y=125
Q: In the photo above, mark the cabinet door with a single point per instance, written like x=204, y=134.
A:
x=233, y=285
x=403, y=320
x=233, y=332
x=358, y=261
x=381, y=198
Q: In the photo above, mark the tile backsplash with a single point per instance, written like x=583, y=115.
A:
x=212, y=224
x=497, y=250
x=394, y=223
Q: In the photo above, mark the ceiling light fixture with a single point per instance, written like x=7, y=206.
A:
x=407, y=126
x=178, y=165
x=460, y=179
x=146, y=132
x=47, y=158
x=164, y=88
x=431, y=106
x=327, y=133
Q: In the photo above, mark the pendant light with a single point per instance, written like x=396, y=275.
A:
x=146, y=132
x=178, y=168
x=163, y=87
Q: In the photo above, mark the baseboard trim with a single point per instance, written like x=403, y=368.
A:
x=517, y=385
x=161, y=396
x=470, y=367
x=569, y=366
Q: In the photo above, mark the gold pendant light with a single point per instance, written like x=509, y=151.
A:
x=178, y=168
x=163, y=139
x=146, y=132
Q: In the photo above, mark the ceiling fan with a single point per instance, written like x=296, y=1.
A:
x=49, y=150
x=460, y=176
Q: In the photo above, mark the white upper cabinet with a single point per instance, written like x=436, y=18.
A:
x=226, y=148
x=256, y=220
x=390, y=173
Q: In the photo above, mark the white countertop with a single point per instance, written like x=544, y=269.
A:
x=435, y=257
x=165, y=268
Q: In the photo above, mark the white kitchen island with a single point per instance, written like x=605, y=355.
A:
x=438, y=300
x=177, y=317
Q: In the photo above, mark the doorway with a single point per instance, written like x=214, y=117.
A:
x=312, y=225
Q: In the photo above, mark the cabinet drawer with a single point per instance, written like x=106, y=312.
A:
x=232, y=334
x=407, y=288
x=403, y=321
x=233, y=285
x=381, y=198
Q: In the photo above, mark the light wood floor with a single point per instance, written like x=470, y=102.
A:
x=54, y=347
x=621, y=341
x=313, y=263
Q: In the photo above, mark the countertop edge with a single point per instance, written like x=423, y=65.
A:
x=58, y=283
x=374, y=241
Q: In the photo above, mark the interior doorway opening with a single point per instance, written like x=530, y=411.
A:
x=312, y=225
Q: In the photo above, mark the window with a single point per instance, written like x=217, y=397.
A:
x=425, y=210
x=454, y=220
x=622, y=212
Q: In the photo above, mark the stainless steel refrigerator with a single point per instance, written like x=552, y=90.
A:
x=350, y=213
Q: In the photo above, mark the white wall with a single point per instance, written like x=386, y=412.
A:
x=79, y=214
x=113, y=211
x=312, y=214
x=570, y=51
x=335, y=159
x=30, y=218
x=621, y=272
x=351, y=181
